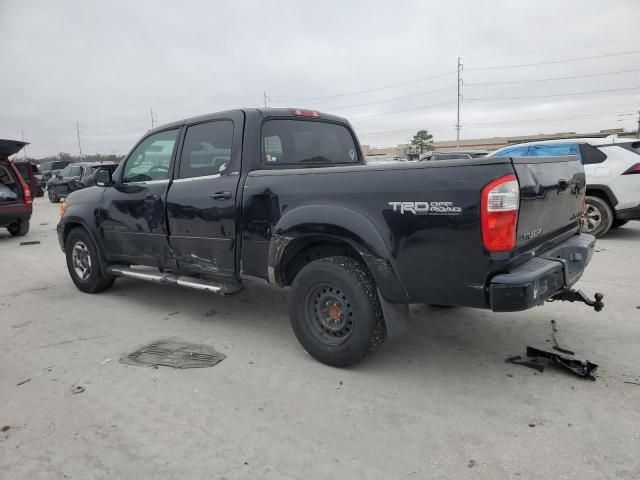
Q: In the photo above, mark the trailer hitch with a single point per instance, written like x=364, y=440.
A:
x=570, y=295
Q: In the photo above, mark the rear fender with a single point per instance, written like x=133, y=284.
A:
x=339, y=224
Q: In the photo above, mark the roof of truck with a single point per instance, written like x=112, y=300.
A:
x=263, y=112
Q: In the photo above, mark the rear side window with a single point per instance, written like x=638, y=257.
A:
x=207, y=149
x=554, y=150
x=307, y=143
x=590, y=154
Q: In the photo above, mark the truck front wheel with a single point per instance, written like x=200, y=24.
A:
x=83, y=263
x=335, y=311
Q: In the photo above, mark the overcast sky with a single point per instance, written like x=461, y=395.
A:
x=106, y=64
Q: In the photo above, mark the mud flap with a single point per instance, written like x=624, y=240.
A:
x=395, y=316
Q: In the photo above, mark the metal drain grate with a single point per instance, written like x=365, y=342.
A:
x=174, y=354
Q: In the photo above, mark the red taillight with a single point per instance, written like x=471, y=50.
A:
x=633, y=170
x=499, y=213
x=301, y=112
x=26, y=191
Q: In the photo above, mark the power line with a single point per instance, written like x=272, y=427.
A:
x=506, y=122
x=553, y=78
x=358, y=92
x=556, y=95
x=392, y=99
x=545, y=119
x=423, y=107
x=568, y=60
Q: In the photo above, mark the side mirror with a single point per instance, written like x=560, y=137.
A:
x=103, y=177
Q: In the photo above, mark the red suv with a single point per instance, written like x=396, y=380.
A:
x=15, y=194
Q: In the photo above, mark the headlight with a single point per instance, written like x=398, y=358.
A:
x=62, y=208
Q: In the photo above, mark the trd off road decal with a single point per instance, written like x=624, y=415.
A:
x=426, y=208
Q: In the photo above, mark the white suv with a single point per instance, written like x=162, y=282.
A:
x=612, y=166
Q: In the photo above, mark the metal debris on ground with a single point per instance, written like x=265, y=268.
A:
x=23, y=382
x=556, y=345
x=174, y=354
x=77, y=389
x=538, y=359
x=34, y=242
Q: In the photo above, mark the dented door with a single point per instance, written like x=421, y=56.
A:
x=201, y=203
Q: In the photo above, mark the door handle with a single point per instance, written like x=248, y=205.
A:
x=221, y=195
x=152, y=198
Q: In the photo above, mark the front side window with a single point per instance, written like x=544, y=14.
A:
x=206, y=149
x=66, y=171
x=308, y=143
x=75, y=171
x=151, y=159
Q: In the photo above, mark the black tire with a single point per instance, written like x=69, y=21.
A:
x=19, y=229
x=598, y=217
x=87, y=262
x=619, y=223
x=335, y=311
x=53, y=196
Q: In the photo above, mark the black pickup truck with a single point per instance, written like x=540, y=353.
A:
x=284, y=195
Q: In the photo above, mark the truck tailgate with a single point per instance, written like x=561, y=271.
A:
x=551, y=196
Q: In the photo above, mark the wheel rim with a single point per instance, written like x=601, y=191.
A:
x=592, y=218
x=51, y=194
x=81, y=260
x=330, y=314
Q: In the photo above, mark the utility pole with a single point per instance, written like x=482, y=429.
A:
x=267, y=98
x=153, y=120
x=24, y=150
x=460, y=83
x=638, y=131
x=79, y=144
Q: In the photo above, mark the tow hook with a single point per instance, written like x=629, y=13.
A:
x=570, y=295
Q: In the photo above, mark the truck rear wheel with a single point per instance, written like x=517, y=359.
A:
x=335, y=311
x=598, y=217
x=83, y=263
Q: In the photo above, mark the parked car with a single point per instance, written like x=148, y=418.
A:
x=612, y=167
x=74, y=176
x=444, y=156
x=50, y=169
x=284, y=195
x=29, y=172
x=15, y=195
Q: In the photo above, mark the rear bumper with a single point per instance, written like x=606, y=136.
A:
x=9, y=216
x=536, y=280
x=628, y=213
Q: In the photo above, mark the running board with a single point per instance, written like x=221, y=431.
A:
x=155, y=276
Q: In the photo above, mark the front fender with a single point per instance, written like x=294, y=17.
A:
x=71, y=220
x=341, y=224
